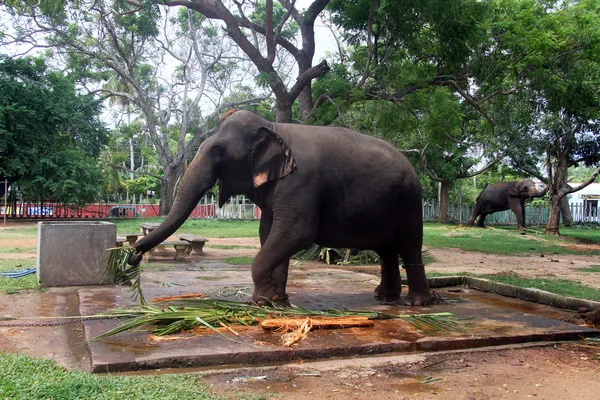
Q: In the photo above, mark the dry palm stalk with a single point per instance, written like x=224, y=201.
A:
x=289, y=324
x=298, y=334
x=179, y=296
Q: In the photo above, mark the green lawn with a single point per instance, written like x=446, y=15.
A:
x=23, y=377
x=10, y=285
x=504, y=239
x=562, y=287
x=209, y=228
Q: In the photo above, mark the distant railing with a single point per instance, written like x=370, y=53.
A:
x=239, y=207
x=534, y=214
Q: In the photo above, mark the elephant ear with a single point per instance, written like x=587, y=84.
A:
x=271, y=157
x=518, y=188
x=514, y=189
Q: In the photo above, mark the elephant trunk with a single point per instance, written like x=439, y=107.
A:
x=197, y=179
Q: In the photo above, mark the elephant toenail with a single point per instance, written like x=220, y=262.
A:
x=275, y=297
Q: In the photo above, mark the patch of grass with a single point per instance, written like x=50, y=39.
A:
x=439, y=274
x=501, y=240
x=17, y=250
x=238, y=260
x=214, y=228
x=18, y=232
x=592, y=269
x=230, y=246
x=14, y=285
x=23, y=377
x=588, y=235
x=563, y=287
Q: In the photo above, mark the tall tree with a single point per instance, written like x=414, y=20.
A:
x=272, y=23
x=426, y=61
x=174, y=69
x=554, y=50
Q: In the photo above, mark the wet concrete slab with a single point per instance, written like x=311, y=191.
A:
x=496, y=320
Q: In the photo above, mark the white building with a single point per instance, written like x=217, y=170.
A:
x=585, y=203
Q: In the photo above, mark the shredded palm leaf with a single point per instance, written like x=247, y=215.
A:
x=118, y=269
x=210, y=313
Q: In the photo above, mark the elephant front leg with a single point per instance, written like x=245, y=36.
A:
x=519, y=209
x=270, y=267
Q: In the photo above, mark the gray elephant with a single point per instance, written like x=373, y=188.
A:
x=503, y=196
x=326, y=185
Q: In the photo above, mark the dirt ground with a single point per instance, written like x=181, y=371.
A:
x=566, y=371
x=562, y=371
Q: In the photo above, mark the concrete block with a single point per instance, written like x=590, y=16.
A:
x=73, y=253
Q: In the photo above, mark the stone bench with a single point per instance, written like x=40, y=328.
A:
x=120, y=241
x=130, y=237
x=180, y=247
x=196, y=242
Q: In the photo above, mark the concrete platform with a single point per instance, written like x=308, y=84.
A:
x=498, y=321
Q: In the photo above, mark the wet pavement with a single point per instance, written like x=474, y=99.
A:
x=496, y=320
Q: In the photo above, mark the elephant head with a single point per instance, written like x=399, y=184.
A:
x=243, y=154
x=526, y=188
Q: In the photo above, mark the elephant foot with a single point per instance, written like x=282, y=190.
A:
x=415, y=298
x=275, y=301
x=270, y=297
x=387, y=295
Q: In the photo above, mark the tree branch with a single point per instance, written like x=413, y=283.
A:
x=565, y=191
x=482, y=169
x=369, y=47
x=305, y=78
x=134, y=172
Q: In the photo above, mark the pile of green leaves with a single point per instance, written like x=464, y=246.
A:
x=338, y=256
x=209, y=313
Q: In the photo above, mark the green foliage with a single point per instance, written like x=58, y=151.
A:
x=23, y=377
x=50, y=136
x=259, y=16
x=211, y=313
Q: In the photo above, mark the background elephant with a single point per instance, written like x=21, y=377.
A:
x=503, y=196
x=325, y=185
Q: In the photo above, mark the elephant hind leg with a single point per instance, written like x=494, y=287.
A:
x=481, y=220
x=390, y=288
x=409, y=248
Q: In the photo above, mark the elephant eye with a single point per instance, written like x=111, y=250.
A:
x=217, y=151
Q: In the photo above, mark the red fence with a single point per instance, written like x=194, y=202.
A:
x=93, y=211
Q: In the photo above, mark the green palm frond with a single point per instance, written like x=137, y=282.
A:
x=210, y=313
x=122, y=273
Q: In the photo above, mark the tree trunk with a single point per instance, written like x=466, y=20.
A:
x=558, y=181
x=554, y=216
x=167, y=187
x=284, y=111
x=444, y=189
x=565, y=210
